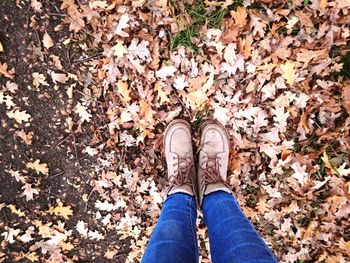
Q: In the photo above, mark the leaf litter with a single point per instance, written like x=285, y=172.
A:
x=268, y=70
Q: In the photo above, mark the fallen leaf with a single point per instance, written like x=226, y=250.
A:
x=288, y=72
x=328, y=164
x=1, y=47
x=29, y=192
x=83, y=113
x=346, y=98
x=343, y=3
x=38, y=167
x=5, y=72
x=36, y=5
x=119, y=50
x=59, y=77
x=19, y=116
x=47, y=41
x=122, y=24
x=162, y=95
x=240, y=16
x=272, y=192
x=27, y=138
x=39, y=79
x=61, y=210
x=124, y=91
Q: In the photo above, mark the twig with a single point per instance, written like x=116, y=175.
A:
x=68, y=56
x=88, y=198
x=120, y=159
x=87, y=95
x=87, y=58
x=59, y=173
x=57, y=14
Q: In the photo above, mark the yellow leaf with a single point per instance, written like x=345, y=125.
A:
x=38, y=167
x=162, y=95
x=119, y=50
x=31, y=256
x=66, y=246
x=146, y=111
x=16, y=211
x=195, y=99
x=47, y=41
x=328, y=164
x=240, y=16
x=19, y=116
x=39, y=79
x=123, y=89
x=288, y=72
x=61, y=210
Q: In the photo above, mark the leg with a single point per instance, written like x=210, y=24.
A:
x=174, y=238
x=232, y=237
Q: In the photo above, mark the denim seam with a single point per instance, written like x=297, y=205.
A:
x=192, y=231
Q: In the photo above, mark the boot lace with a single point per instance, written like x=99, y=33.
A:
x=182, y=174
x=211, y=171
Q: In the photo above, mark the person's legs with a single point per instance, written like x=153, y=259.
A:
x=174, y=238
x=231, y=235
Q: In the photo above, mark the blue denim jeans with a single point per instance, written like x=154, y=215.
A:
x=231, y=235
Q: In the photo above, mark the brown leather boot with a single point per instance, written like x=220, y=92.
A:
x=213, y=159
x=179, y=158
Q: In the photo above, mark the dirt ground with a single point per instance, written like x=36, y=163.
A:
x=88, y=87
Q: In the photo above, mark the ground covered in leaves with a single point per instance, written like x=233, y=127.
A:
x=87, y=88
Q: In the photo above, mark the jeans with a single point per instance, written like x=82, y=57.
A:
x=232, y=237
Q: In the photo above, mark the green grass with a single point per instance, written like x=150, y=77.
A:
x=200, y=118
x=200, y=15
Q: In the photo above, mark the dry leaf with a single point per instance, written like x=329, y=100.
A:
x=38, y=167
x=59, y=77
x=123, y=89
x=1, y=47
x=82, y=112
x=328, y=164
x=27, y=138
x=240, y=16
x=5, y=72
x=343, y=3
x=19, y=116
x=39, y=79
x=47, y=41
x=29, y=192
x=119, y=50
x=36, y=5
x=162, y=95
x=288, y=72
x=61, y=210
x=122, y=24
x=346, y=98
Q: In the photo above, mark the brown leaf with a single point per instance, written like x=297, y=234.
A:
x=304, y=122
x=47, y=41
x=346, y=98
x=27, y=138
x=240, y=16
x=5, y=72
